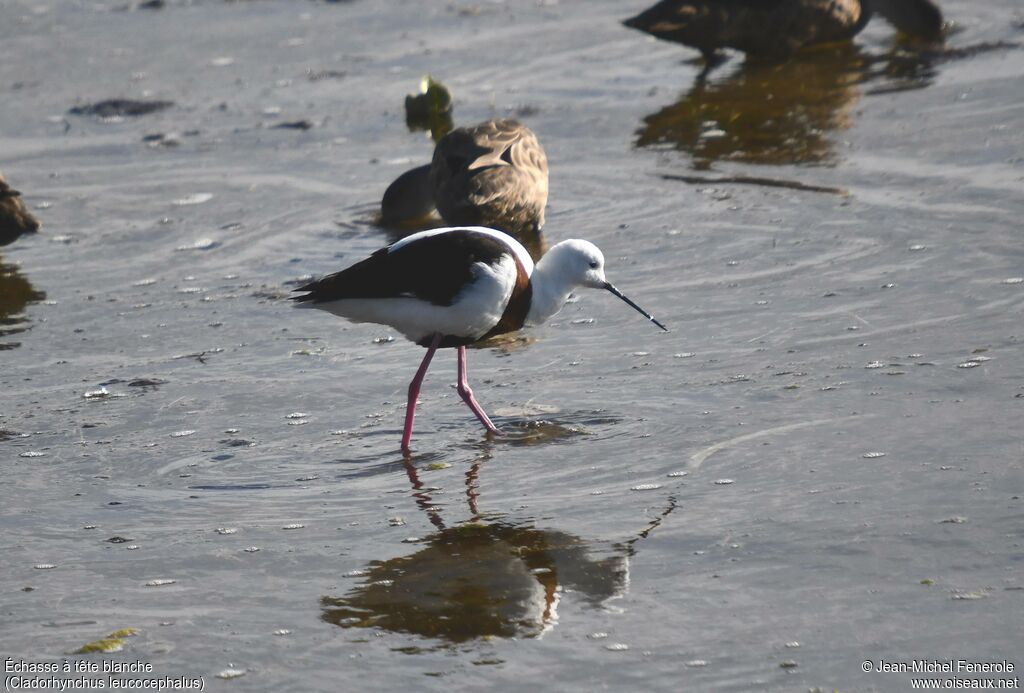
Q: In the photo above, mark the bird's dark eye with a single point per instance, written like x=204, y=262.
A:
x=593, y=264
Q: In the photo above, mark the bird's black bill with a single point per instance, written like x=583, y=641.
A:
x=638, y=308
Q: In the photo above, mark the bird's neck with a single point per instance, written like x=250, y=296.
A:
x=549, y=290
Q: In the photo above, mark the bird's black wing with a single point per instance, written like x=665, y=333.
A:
x=434, y=269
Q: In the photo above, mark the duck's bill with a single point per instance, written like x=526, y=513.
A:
x=643, y=312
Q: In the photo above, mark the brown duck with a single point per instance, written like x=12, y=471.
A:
x=494, y=174
x=775, y=29
x=14, y=218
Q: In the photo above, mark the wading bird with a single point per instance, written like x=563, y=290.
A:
x=452, y=287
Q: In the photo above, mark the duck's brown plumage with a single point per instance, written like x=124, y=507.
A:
x=14, y=218
x=494, y=174
x=775, y=29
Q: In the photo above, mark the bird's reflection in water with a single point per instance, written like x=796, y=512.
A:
x=487, y=577
x=476, y=580
x=15, y=294
x=787, y=113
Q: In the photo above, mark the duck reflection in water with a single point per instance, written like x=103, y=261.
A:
x=15, y=290
x=781, y=114
x=483, y=578
x=16, y=293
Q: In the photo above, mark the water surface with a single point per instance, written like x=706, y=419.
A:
x=842, y=386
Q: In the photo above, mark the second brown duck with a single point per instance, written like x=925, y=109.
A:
x=775, y=29
x=494, y=174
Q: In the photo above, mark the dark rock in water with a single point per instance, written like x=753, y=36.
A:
x=146, y=382
x=317, y=75
x=161, y=139
x=151, y=5
x=303, y=124
x=120, y=107
x=14, y=218
x=238, y=443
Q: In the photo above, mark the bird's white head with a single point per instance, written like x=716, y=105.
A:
x=567, y=265
x=580, y=263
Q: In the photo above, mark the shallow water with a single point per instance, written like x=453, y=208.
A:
x=843, y=384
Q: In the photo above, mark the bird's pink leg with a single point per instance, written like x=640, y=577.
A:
x=414, y=393
x=466, y=393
